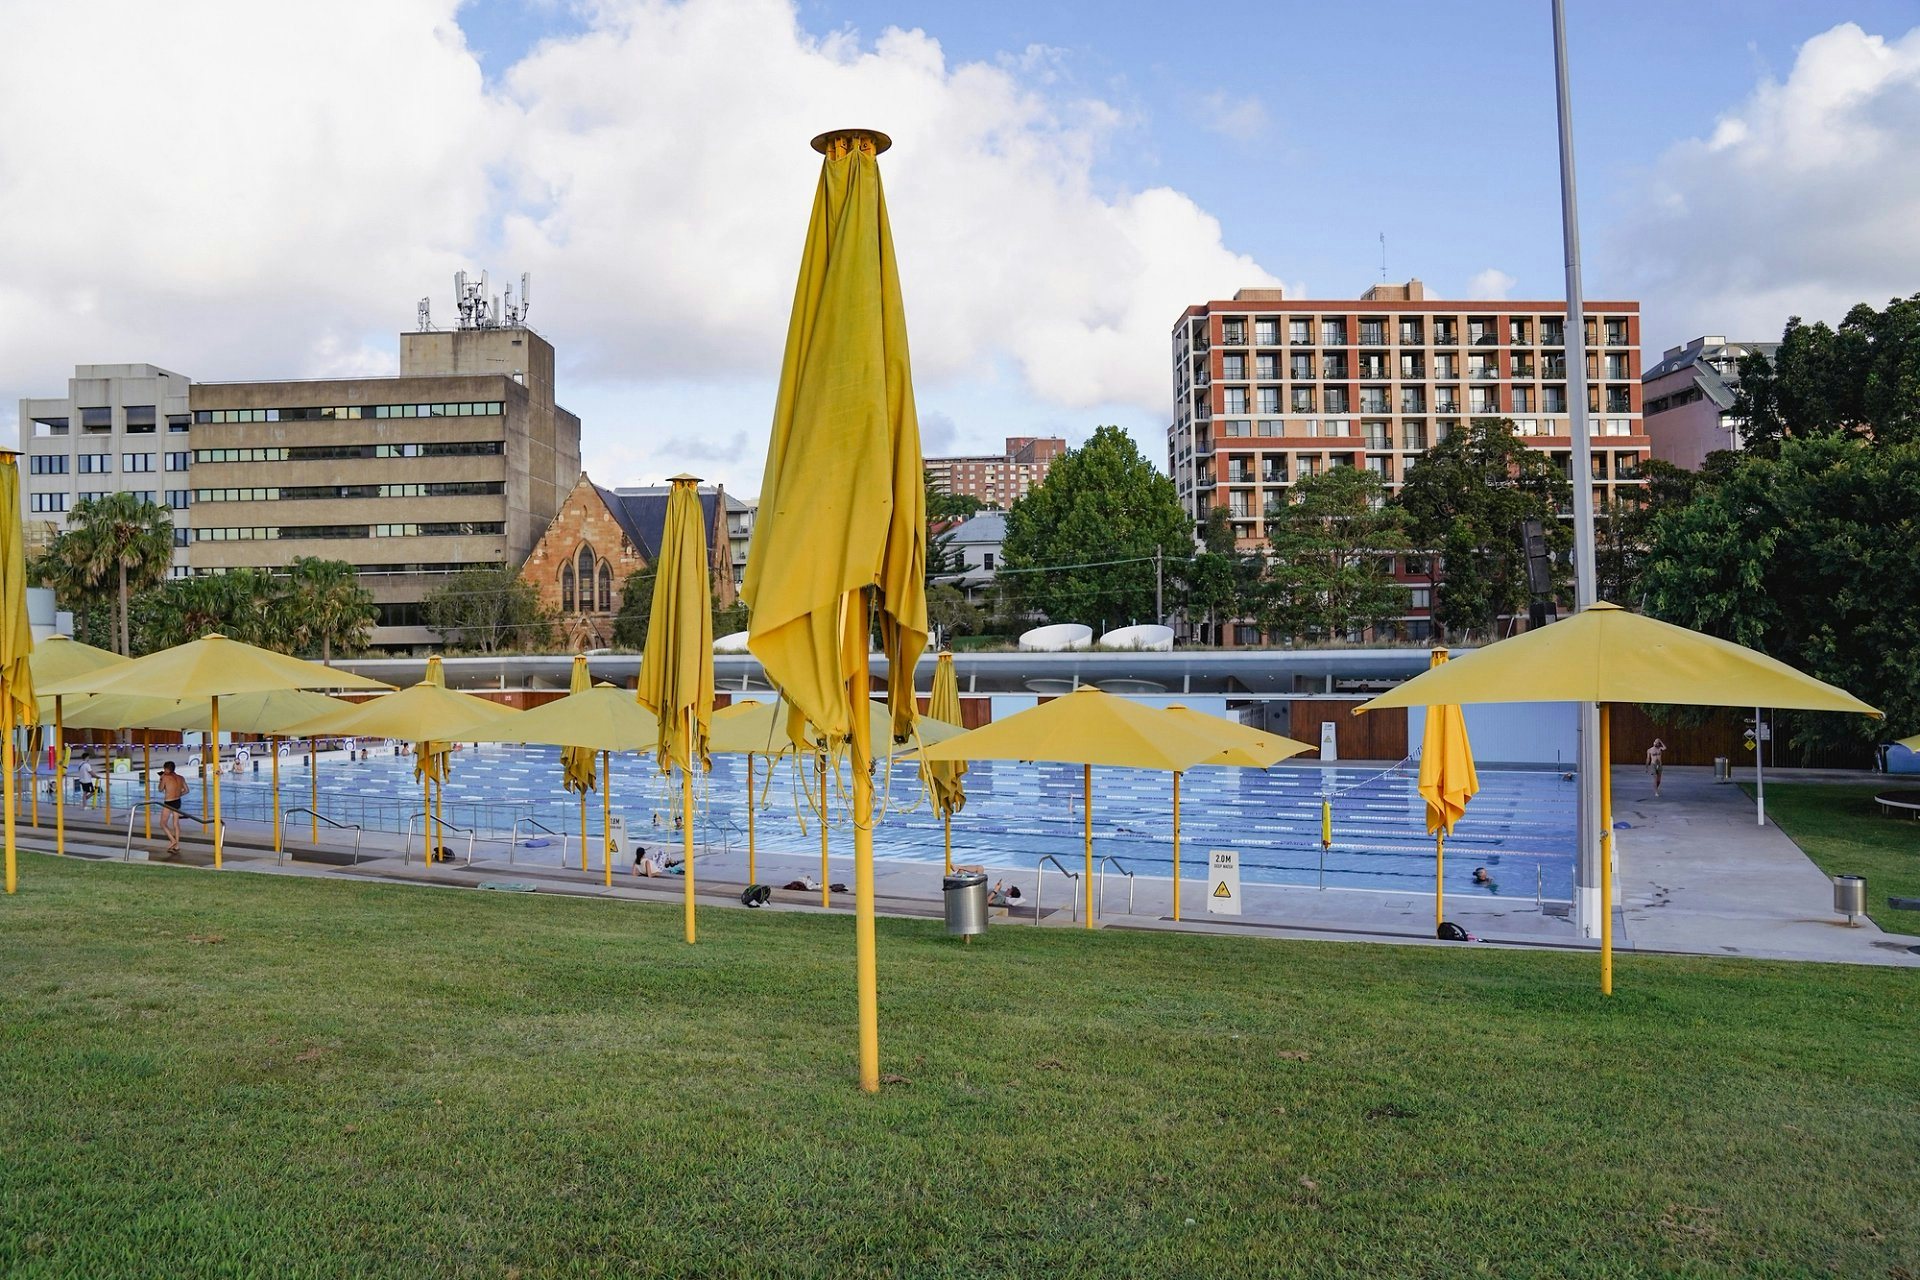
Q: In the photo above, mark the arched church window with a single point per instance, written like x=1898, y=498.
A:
x=566, y=588
x=606, y=587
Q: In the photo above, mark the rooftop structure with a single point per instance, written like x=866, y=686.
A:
x=1690, y=396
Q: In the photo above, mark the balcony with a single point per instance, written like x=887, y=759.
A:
x=1553, y=336
x=1266, y=337
x=1484, y=372
x=1555, y=368
x=1234, y=338
x=1446, y=337
x=1446, y=406
x=1300, y=340
x=1372, y=339
x=1523, y=368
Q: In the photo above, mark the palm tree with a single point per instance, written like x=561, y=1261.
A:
x=327, y=606
x=238, y=604
x=118, y=539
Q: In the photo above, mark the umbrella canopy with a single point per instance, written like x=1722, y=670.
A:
x=421, y=713
x=109, y=710
x=1253, y=749
x=273, y=712
x=1606, y=654
x=591, y=720
x=942, y=777
x=1093, y=728
x=60, y=658
x=210, y=667
x=1447, y=776
x=576, y=762
x=1911, y=744
x=676, y=673
x=751, y=727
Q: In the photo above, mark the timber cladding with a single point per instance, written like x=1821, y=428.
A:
x=1377, y=735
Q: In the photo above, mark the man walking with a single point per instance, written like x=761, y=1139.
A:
x=173, y=790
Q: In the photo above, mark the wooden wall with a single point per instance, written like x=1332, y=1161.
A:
x=1378, y=735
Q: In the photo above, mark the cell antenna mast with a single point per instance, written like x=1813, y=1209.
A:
x=479, y=309
x=1383, y=257
x=425, y=314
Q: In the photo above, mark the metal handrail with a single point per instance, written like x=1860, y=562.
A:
x=513, y=840
x=1040, y=880
x=406, y=850
x=134, y=809
x=1100, y=882
x=354, y=827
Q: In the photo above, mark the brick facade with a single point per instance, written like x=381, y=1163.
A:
x=584, y=534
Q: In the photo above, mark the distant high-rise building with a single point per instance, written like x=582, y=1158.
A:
x=999, y=480
x=1689, y=398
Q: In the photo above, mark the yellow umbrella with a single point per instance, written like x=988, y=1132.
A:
x=1911, y=744
x=1447, y=779
x=54, y=659
x=16, y=635
x=212, y=667
x=1252, y=749
x=576, y=763
x=1605, y=654
x=943, y=779
x=676, y=672
x=1088, y=728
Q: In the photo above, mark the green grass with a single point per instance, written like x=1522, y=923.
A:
x=1843, y=831
x=239, y=1074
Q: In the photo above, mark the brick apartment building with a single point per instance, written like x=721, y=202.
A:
x=999, y=480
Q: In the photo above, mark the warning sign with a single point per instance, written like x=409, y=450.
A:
x=617, y=836
x=1223, y=882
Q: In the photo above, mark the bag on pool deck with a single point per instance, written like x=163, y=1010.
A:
x=756, y=895
x=1451, y=932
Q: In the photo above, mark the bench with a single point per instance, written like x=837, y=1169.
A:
x=1904, y=904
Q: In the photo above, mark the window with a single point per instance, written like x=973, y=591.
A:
x=1410, y=334
x=1300, y=368
x=566, y=587
x=179, y=499
x=1233, y=368
x=49, y=426
x=48, y=502
x=986, y=559
x=1303, y=399
x=1446, y=333
x=1234, y=333
x=1373, y=333
x=1266, y=368
x=140, y=420
x=442, y=529
x=1553, y=332
x=1236, y=427
x=1523, y=399
x=136, y=463
x=585, y=574
x=1269, y=399
x=1413, y=365
x=96, y=464
x=48, y=464
x=1336, y=399
x=1484, y=400
x=1236, y=400
x=1333, y=333
x=1334, y=367
x=97, y=419
x=181, y=536
x=178, y=461
x=1413, y=399
x=1373, y=400
x=605, y=580
x=1520, y=332
x=95, y=496
x=1300, y=332
x=1619, y=426
x=179, y=421
x=1266, y=333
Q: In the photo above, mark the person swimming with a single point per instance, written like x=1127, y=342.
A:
x=1480, y=876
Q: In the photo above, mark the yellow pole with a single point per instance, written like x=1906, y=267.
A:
x=1086, y=799
x=946, y=823
x=752, y=877
x=606, y=811
x=440, y=814
x=1606, y=850
x=106, y=783
x=278, y=847
x=583, y=829
x=213, y=748
x=426, y=810
x=1439, y=868
x=146, y=773
x=59, y=778
x=1176, y=847
x=33, y=779
x=12, y=877
x=820, y=781
x=686, y=822
x=866, y=965
x=313, y=782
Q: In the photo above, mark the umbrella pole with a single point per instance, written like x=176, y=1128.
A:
x=1086, y=806
x=440, y=817
x=820, y=781
x=866, y=965
x=1439, y=869
x=146, y=775
x=6, y=701
x=1176, y=848
x=213, y=749
x=59, y=779
x=606, y=812
x=752, y=877
x=1606, y=849
x=583, y=829
x=279, y=849
x=106, y=783
x=33, y=779
x=946, y=825
x=426, y=814
x=313, y=783
x=686, y=821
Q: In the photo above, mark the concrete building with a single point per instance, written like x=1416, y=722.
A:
x=119, y=428
x=460, y=461
x=976, y=542
x=1689, y=398
x=1268, y=390
x=999, y=480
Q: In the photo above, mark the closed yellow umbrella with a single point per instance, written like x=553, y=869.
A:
x=945, y=789
x=1605, y=654
x=1252, y=749
x=576, y=763
x=55, y=659
x=676, y=672
x=16, y=636
x=1447, y=780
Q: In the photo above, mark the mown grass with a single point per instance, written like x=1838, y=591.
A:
x=1843, y=831
x=236, y=1074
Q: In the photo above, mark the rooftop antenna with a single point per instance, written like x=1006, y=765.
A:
x=1383, y=257
x=480, y=309
x=425, y=314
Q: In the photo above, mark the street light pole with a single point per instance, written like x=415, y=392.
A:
x=1159, y=609
x=1587, y=868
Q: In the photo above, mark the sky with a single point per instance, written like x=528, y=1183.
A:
x=266, y=191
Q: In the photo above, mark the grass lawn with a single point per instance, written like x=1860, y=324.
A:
x=242, y=1074
x=1842, y=830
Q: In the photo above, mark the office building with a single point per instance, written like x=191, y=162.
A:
x=1689, y=398
x=120, y=427
x=1268, y=390
x=998, y=480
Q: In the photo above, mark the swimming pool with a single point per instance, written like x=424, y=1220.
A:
x=1520, y=827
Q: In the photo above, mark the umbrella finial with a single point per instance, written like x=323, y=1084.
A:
x=837, y=143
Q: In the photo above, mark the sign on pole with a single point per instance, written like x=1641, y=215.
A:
x=617, y=836
x=1223, y=882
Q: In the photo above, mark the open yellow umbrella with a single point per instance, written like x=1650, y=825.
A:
x=1605, y=654
x=211, y=668
x=576, y=763
x=945, y=789
x=1911, y=744
x=1447, y=780
x=1252, y=749
x=16, y=635
x=676, y=672
x=841, y=538
x=1088, y=728
x=55, y=659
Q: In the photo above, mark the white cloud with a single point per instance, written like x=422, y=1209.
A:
x=1492, y=285
x=1243, y=118
x=1802, y=200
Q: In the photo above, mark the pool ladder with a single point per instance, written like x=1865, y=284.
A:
x=1040, y=880
x=1100, y=882
x=321, y=817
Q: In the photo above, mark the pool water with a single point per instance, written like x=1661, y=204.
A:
x=1520, y=827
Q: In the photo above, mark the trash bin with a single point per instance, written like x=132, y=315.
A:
x=1849, y=898
x=1722, y=771
x=965, y=896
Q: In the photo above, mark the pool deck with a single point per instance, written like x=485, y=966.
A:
x=1697, y=876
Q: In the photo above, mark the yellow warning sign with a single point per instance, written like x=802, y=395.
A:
x=1221, y=891
x=1224, y=864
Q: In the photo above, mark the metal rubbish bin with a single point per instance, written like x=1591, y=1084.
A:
x=1849, y=898
x=965, y=895
x=1722, y=770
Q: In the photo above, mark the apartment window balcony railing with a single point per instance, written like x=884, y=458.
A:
x=1484, y=373
x=1203, y=412
x=1446, y=406
x=1487, y=340
x=1554, y=369
x=1523, y=368
x=1619, y=402
x=1414, y=440
x=1446, y=338
x=1266, y=337
x=1373, y=339
x=1374, y=404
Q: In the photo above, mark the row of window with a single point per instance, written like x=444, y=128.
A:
x=338, y=452
x=273, y=533
x=1333, y=367
x=1273, y=470
x=312, y=492
x=140, y=420
x=101, y=464
x=457, y=409
x=1481, y=331
x=1412, y=432
x=1414, y=400
x=54, y=503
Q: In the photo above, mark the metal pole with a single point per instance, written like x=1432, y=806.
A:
x=752, y=877
x=1086, y=804
x=313, y=781
x=865, y=946
x=213, y=750
x=1759, y=772
x=59, y=778
x=1439, y=875
x=279, y=848
x=686, y=822
x=1176, y=847
x=146, y=769
x=1586, y=871
x=820, y=783
x=6, y=701
x=1159, y=577
x=606, y=810
x=1606, y=850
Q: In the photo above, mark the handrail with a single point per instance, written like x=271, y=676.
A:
x=1040, y=880
x=134, y=808
x=354, y=827
x=1100, y=882
x=406, y=850
x=513, y=839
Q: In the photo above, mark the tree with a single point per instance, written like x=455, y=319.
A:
x=326, y=606
x=1809, y=557
x=1332, y=545
x=942, y=505
x=949, y=610
x=636, y=610
x=1465, y=499
x=1081, y=546
x=1861, y=380
x=241, y=604
x=112, y=546
x=488, y=609
x=1219, y=582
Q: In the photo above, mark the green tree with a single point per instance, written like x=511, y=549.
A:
x=112, y=547
x=1330, y=573
x=1808, y=556
x=636, y=610
x=1081, y=546
x=1465, y=500
x=1861, y=380
x=1219, y=582
x=942, y=505
x=326, y=606
x=488, y=609
x=241, y=604
x=949, y=610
